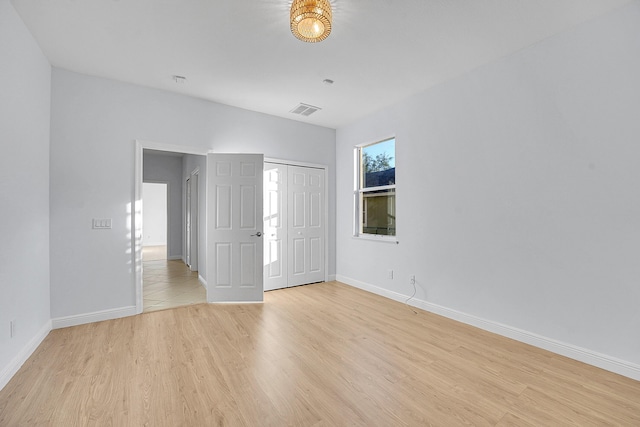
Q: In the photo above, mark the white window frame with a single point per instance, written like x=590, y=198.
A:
x=358, y=190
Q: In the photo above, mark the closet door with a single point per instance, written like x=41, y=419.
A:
x=275, y=226
x=306, y=225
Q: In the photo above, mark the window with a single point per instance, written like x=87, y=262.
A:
x=375, y=189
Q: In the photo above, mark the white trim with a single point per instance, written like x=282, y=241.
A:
x=10, y=370
x=136, y=225
x=331, y=278
x=96, y=316
x=295, y=163
x=175, y=257
x=235, y=302
x=609, y=363
x=202, y=281
x=377, y=238
x=160, y=146
x=380, y=188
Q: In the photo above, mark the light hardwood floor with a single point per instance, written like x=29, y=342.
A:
x=168, y=283
x=317, y=355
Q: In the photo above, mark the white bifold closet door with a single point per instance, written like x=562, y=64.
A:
x=294, y=225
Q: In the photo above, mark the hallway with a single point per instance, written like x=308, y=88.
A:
x=168, y=283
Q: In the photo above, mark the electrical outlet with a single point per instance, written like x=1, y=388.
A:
x=412, y=280
x=389, y=274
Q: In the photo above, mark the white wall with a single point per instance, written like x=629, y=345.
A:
x=518, y=197
x=154, y=214
x=24, y=192
x=168, y=169
x=94, y=125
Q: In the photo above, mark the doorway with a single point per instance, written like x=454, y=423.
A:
x=164, y=279
x=154, y=214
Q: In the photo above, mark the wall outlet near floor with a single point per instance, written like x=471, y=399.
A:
x=389, y=274
x=412, y=280
x=12, y=328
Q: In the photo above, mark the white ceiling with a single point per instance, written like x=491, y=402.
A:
x=242, y=53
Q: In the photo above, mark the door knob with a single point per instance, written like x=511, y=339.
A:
x=259, y=233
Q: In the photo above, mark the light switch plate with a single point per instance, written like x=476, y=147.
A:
x=101, y=223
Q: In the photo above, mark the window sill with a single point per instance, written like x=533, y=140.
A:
x=377, y=238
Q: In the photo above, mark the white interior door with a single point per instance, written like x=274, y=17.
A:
x=275, y=226
x=234, y=228
x=306, y=225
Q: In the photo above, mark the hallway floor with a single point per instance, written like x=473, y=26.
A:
x=168, y=283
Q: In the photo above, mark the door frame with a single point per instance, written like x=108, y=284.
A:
x=326, y=201
x=135, y=210
x=193, y=260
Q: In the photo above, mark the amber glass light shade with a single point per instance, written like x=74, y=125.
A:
x=311, y=20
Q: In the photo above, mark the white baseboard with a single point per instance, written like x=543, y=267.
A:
x=97, y=316
x=175, y=257
x=10, y=370
x=331, y=278
x=202, y=281
x=609, y=363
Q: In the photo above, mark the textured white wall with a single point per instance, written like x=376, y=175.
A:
x=24, y=188
x=518, y=198
x=94, y=124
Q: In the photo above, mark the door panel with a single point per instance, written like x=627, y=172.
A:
x=248, y=207
x=223, y=207
x=235, y=250
x=223, y=264
x=315, y=257
x=275, y=216
x=298, y=256
x=248, y=274
x=306, y=232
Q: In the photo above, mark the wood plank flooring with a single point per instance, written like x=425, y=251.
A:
x=168, y=283
x=317, y=355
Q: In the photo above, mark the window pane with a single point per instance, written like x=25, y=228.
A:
x=379, y=164
x=379, y=212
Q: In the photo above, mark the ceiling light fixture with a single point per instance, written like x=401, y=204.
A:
x=311, y=20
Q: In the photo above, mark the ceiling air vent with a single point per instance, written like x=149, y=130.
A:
x=305, y=109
